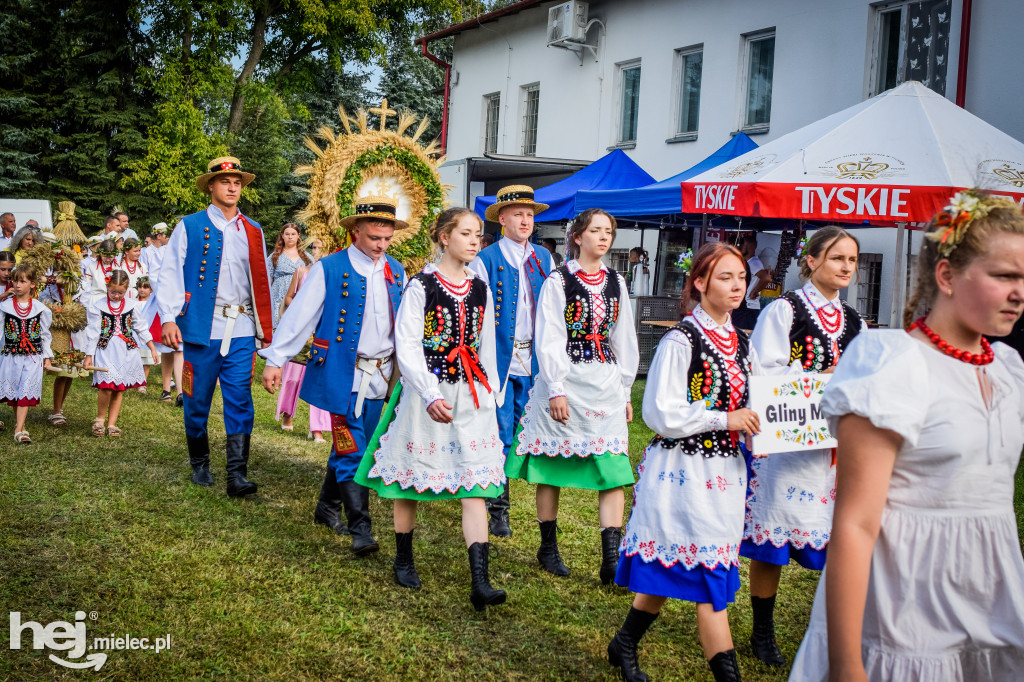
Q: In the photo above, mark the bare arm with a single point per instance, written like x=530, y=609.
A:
x=866, y=458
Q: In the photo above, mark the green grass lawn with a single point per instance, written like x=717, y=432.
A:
x=252, y=589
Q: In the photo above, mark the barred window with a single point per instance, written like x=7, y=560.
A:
x=492, y=105
x=531, y=107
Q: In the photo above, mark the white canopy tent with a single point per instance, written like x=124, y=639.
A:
x=891, y=160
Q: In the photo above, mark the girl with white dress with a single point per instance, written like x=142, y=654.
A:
x=24, y=348
x=791, y=494
x=574, y=431
x=683, y=536
x=443, y=442
x=133, y=266
x=94, y=281
x=146, y=310
x=114, y=332
x=925, y=579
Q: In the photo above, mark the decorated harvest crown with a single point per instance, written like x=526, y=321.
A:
x=380, y=207
x=964, y=208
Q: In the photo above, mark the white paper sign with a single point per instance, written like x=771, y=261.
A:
x=789, y=408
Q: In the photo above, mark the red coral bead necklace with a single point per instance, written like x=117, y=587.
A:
x=22, y=311
x=985, y=357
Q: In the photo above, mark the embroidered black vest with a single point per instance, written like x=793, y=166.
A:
x=583, y=342
x=449, y=323
x=23, y=336
x=809, y=343
x=707, y=379
x=107, y=325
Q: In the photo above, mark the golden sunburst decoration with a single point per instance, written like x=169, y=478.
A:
x=359, y=161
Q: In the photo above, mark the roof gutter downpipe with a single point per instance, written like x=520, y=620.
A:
x=447, y=92
x=965, y=45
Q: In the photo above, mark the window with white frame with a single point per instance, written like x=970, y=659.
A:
x=689, y=64
x=629, y=101
x=911, y=43
x=492, y=107
x=760, y=65
x=531, y=108
x=869, y=285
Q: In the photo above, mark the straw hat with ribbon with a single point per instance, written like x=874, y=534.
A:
x=376, y=207
x=513, y=195
x=223, y=165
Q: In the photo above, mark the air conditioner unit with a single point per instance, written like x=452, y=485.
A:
x=567, y=23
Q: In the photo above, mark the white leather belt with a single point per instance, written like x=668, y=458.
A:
x=231, y=312
x=369, y=367
x=522, y=345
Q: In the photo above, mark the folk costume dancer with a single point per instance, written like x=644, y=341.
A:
x=515, y=271
x=683, y=536
x=348, y=302
x=791, y=495
x=442, y=442
x=574, y=429
x=214, y=301
x=925, y=579
x=25, y=347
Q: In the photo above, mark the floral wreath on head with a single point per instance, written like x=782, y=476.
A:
x=103, y=252
x=963, y=209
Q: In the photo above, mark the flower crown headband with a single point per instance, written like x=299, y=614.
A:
x=963, y=209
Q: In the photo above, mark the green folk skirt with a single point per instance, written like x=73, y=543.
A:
x=596, y=472
x=395, y=491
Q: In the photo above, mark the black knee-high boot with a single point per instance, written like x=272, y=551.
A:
x=199, y=458
x=548, y=555
x=725, y=667
x=622, y=649
x=357, y=506
x=762, y=639
x=405, y=568
x=610, y=539
x=482, y=594
x=497, y=507
x=238, y=462
x=328, y=506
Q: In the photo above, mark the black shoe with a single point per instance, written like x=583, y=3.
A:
x=199, y=458
x=165, y=397
x=482, y=594
x=328, y=507
x=548, y=555
x=238, y=462
x=622, y=655
x=497, y=507
x=610, y=540
x=762, y=638
x=725, y=667
x=405, y=568
x=180, y=400
x=356, y=499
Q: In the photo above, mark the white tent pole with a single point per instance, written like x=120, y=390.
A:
x=898, y=295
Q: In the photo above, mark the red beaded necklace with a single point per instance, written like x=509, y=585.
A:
x=725, y=343
x=592, y=280
x=22, y=312
x=131, y=268
x=457, y=289
x=110, y=307
x=986, y=356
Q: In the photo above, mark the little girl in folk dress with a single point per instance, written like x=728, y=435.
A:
x=114, y=326
x=24, y=348
x=574, y=429
x=443, y=442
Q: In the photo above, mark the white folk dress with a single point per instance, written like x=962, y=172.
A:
x=114, y=335
x=24, y=345
x=945, y=595
x=417, y=457
x=135, y=271
x=791, y=495
x=593, y=366
x=684, y=532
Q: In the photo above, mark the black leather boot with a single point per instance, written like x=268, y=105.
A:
x=405, y=568
x=762, y=638
x=328, y=507
x=610, y=540
x=238, y=462
x=357, y=507
x=482, y=594
x=497, y=507
x=725, y=667
x=199, y=458
x=622, y=649
x=548, y=555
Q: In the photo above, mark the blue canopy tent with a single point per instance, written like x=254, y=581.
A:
x=614, y=171
x=660, y=198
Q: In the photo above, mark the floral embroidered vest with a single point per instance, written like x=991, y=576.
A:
x=589, y=317
x=707, y=379
x=23, y=336
x=109, y=328
x=450, y=324
x=808, y=341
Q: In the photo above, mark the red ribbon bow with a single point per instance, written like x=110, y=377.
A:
x=597, y=338
x=471, y=364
